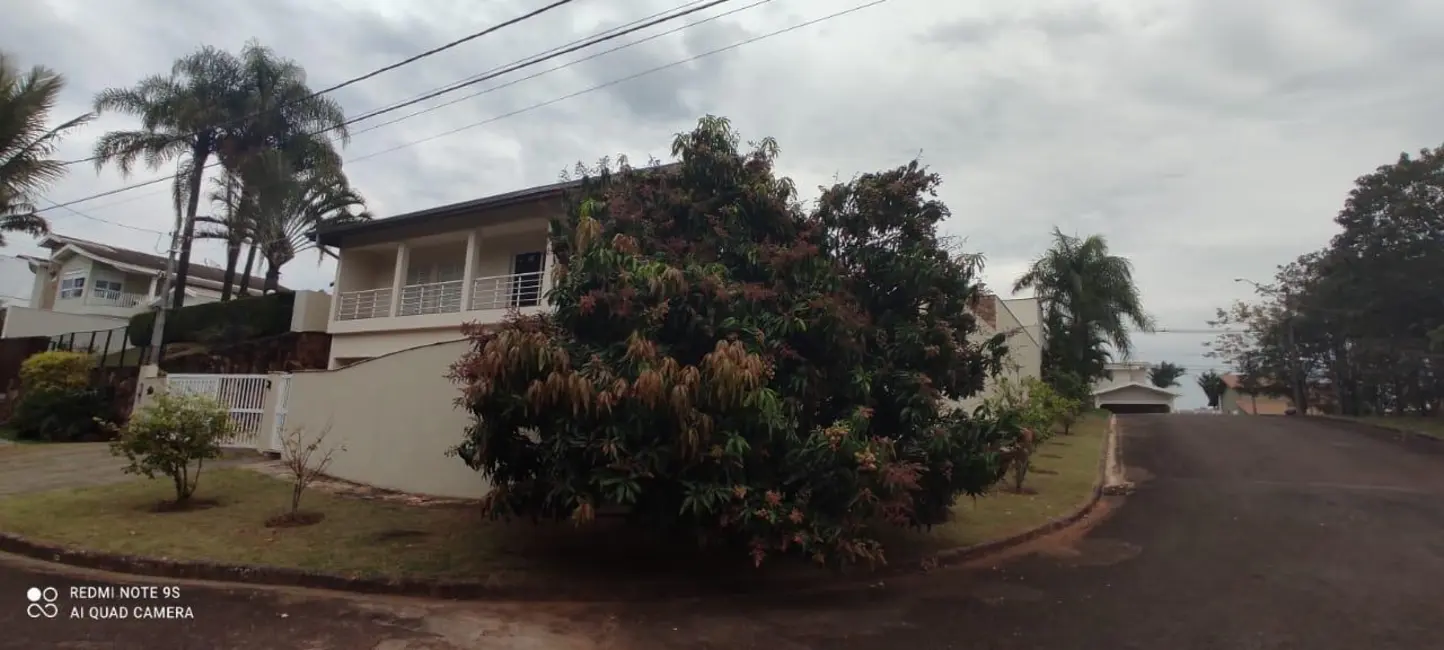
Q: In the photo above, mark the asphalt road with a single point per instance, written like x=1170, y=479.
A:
x=1243, y=533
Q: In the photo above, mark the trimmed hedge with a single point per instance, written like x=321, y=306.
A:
x=219, y=322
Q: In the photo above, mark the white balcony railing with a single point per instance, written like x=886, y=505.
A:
x=505, y=291
x=431, y=298
x=371, y=303
x=109, y=298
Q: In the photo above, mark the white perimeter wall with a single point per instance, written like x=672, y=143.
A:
x=396, y=417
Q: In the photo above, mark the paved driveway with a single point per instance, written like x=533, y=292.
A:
x=36, y=468
x=1244, y=533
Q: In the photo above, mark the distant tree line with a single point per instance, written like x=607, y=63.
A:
x=1356, y=328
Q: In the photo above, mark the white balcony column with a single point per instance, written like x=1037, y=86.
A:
x=398, y=280
x=150, y=293
x=336, y=284
x=468, y=269
x=549, y=263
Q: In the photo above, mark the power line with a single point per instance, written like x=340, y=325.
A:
x=407, y=61
x=98, y=219
x=615, y=82
x=519, y=64
x=481, y=92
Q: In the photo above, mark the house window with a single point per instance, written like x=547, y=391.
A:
x=108, y=289
x=429, y=273
x=72, y=286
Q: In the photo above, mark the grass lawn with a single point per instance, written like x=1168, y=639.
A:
x=1432, y=427
x=1065, y=469
x=360, y=537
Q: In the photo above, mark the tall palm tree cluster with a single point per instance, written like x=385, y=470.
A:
x=251, y=115
x=1089, y=302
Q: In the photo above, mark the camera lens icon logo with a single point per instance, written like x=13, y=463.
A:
x=42, y=602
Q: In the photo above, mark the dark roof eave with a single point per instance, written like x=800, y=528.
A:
x=334, y=236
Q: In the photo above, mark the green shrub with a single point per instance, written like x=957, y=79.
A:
x=168, y=435
x=61, y=415
x=57, y=369
x=219, y=322
x=727, y=367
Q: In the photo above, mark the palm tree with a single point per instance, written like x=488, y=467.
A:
x=183, y=117
x=1213, y=387
x=26, y=143
x=1165, y=374
x=231, y=224
x=288, y=206
x=1088, y=299
x=282, y=114
x=215, y=104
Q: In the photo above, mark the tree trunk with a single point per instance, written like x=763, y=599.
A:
x=273, y=278
x=233, y=245
x=199, y=153
x=233, y=258
x=246, y=275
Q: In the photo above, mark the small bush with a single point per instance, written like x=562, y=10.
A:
x=56, y=403
x=56, y=370
x=219, y=322
x=61, y=415
x=166, y=436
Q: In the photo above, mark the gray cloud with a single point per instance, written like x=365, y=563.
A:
x=1206, y=139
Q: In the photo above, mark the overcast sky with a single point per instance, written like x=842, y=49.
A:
x=1206, y=139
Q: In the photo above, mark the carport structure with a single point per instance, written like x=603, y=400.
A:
x=1134, y=397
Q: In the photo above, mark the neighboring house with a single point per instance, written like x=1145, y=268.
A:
x=1234, y=401
x=1021, y=320
x=1127, y=389
x=414, y=279
x=85, y=286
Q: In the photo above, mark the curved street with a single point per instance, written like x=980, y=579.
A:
x=1243, y=532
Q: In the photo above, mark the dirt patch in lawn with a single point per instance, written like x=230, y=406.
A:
x=294, y=519
x=171, y=505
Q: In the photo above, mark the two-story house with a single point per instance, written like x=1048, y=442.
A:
x=414, y=279
x=1127, y=389
x=84, y=286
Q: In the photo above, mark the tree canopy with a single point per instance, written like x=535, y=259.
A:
x=27, y=142
x=1359, y=312
x=723, y=363
x=1166, y=374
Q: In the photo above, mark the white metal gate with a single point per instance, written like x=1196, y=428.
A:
x=244, y=396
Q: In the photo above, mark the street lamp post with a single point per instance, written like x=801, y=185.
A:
x=1290, y=343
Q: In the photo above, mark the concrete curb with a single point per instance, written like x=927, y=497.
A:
x=1109, y=475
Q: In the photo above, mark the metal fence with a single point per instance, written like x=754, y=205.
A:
x=112, y=347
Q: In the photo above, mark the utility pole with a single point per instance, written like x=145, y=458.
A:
x=160, y=304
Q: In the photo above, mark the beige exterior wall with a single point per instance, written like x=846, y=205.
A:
x=311, y=311
x=376, y=344
x=1019, y=320
x=396, y=418
x=25, y=321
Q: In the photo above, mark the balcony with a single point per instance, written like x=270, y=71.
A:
x=430, y=298
x=514, y=290
x=119, y=299
x=372, y=303
x=507, y=291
